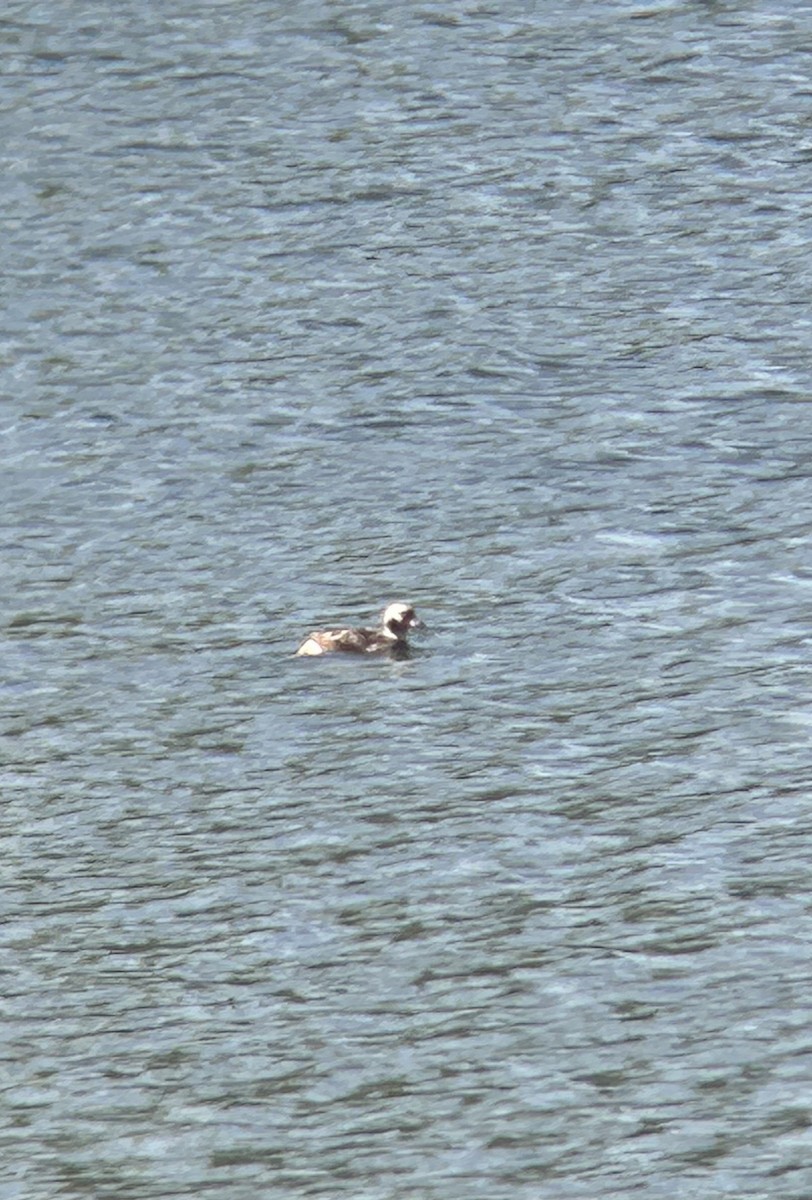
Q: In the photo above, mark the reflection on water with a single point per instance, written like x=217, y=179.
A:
x=503, y=312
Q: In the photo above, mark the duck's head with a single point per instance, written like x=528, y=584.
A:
x=398, y=619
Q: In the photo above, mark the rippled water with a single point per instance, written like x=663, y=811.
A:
x=504, y=310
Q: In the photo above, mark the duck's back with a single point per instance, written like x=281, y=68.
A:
x=329, y=641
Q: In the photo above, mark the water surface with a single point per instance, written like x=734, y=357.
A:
x=504, y=310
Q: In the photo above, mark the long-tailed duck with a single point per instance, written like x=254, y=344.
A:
x=397, y=620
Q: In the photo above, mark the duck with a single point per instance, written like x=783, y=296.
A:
x=390, y=639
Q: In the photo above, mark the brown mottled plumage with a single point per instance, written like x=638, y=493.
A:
x=397, y=620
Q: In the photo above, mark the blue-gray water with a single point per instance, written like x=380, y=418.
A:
x=503, y=309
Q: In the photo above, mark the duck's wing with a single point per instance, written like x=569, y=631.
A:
x=328, y=641
x=356, y=640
